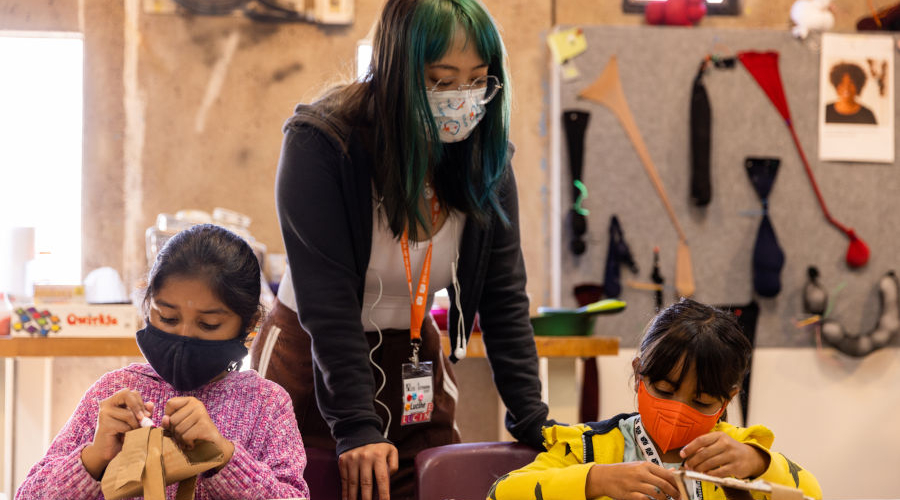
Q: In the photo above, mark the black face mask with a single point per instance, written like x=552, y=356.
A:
x=187, y=363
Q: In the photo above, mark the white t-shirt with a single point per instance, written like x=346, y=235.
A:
x=386, y=262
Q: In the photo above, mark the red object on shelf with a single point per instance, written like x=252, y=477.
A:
x=440, y=317
x=675, y=12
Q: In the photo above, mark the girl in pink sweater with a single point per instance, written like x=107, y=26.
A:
x=201, y=301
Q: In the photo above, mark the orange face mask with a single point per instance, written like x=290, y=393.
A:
x=672, y=424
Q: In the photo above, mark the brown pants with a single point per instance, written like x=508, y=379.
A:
x=289, y=362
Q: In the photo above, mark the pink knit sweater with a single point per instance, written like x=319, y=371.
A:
x=254, y=413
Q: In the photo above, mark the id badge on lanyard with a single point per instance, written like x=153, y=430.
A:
x=418, y=377
x=418, y=393
x=646, y=448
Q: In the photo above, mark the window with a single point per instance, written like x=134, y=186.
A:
x=41, y=146
x=363, y=57
x=713, y=7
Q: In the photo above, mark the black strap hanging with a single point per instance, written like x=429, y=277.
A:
x=658, y=279
x=575, y=123
x=616, y=254
x=747, y=316
x=768, y=257
x=701, y=131
x=701, y=186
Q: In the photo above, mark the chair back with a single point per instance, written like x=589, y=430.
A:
x=467, y=471
x=322, y=475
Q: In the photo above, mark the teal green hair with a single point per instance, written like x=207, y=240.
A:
x=467, y=175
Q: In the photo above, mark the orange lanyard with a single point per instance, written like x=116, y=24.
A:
x=418, y=299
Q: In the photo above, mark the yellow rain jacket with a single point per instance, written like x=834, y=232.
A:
x=560, y=472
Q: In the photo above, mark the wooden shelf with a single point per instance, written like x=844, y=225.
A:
x=68, y=346
x=550, y=347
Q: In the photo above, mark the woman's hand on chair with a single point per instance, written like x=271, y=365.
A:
x=118, y=414
x=367, y=467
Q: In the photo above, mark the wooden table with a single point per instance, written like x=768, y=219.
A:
x=68, y=346
x=550, y=347
x=547, y=347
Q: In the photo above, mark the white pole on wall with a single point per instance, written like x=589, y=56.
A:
x=555, y=266
x=555, y=188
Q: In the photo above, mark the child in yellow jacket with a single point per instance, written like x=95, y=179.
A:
x=689, y=366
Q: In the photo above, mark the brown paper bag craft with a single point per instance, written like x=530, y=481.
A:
x=150, y=460
x=737, y=489
x=607, y=90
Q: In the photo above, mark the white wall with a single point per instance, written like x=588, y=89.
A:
x=833, y=415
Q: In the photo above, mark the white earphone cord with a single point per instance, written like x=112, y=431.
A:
x=460, y=350
x=372, y=360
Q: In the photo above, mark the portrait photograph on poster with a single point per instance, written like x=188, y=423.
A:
x=856, y=98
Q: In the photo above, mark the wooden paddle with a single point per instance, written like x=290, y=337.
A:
x=607, y=90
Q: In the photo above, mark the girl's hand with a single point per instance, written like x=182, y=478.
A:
x=630, y=481
x=186, y=418
x=118, y=414
x=718, y=454
x=367, y=467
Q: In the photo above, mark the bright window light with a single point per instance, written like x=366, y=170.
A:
x=363, y=56
x=41, y=145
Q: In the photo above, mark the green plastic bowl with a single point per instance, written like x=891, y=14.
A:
x=573, y=322
x=563, y=324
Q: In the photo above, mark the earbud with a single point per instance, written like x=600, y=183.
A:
x=460, y=353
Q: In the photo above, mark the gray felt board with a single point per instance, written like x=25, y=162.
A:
x=657, y=66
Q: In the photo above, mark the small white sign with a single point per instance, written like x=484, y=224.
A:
x=75, y=320
x=856, y=98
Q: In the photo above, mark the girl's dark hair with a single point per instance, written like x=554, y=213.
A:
x=706, y=337
x=857, y=75
x=391, y=103
x=220, y=258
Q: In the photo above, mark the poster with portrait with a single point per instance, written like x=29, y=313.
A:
x=856, y=98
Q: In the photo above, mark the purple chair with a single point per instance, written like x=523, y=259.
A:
x=466, y=471
x=322, y=474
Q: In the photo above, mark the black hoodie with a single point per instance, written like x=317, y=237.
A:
x=324, y=201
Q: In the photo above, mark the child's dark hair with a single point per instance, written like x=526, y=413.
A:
x=706, y=337
x=220, y=258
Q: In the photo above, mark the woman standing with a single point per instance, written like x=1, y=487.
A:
x=388, y=190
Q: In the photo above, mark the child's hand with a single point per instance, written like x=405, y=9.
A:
x=718, y=454
x=118, y=414
x=186, y=418
x=630, y=481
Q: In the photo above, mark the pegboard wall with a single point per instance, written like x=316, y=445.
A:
x=657, y=66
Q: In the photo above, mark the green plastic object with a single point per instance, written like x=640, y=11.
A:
x=552, y=321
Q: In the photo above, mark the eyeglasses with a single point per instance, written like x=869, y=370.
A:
x=489, y=83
